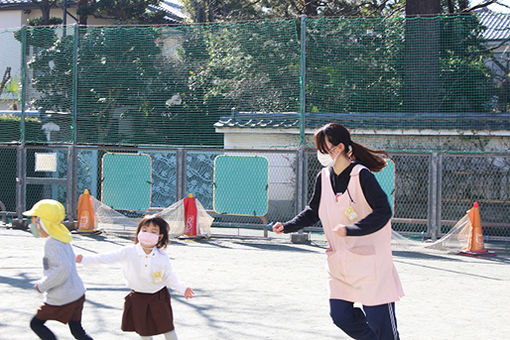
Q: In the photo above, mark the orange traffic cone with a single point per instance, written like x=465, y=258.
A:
x=86, y=216
x=475, y=246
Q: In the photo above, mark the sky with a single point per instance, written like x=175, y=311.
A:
x=494, y=8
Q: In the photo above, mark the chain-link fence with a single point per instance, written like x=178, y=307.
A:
x=8, y=182
x=132, y=85
x=71, y=95
x=468, y=178
x=431, y=193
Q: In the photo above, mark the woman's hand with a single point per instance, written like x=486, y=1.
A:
x=188, y=293
x=278, y=227
x=340, y=230
x=79, y=257
x=37, y=288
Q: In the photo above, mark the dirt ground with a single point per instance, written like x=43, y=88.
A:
x=257, y=288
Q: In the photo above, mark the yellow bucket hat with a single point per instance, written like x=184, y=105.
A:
x=51, y=213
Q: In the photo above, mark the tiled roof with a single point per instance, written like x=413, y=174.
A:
x=21, y=4
x=497, y=25
x=455, y=121
x=5, y=4
x=174, y=10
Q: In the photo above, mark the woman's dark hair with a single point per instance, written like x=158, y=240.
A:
x=163, y=229
x=336, y=134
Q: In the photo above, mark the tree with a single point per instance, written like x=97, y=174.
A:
x=128, y=12
x=422, y=8
x=421, y=63
x=353, y=65
x=45, y=6
x=202, y=11
x=253, y=67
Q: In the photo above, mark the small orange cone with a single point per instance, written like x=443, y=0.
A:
x=475, y=246
x=86, y=216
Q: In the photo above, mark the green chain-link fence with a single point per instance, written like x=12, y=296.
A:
x=169, y=85
x=122, y=87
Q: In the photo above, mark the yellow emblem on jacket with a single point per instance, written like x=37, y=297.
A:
x=350, y=213
x=157, y=277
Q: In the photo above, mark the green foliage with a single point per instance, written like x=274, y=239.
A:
x=169, y=85
x=252, y=66
x=53, y=21
x=116, y=67
x=43, y=37
x=13, y=87
x=10, y=125
x=357, y=65
x=202, y=11
x=353, y=65
x=237, y=10
x=465, y=78
x=126, y=11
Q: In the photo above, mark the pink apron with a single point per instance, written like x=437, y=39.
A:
x=360, y=267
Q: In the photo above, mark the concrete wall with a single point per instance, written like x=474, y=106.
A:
x=282, y=169
x=416, y=140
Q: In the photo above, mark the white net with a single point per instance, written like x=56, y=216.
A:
x=111, y=221
x=115, y=222
x=453, y=242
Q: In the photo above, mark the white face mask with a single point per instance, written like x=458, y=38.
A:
x=148, y=239
x=35, y=231
x=325, y=159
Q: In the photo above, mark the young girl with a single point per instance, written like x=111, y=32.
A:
x=64, y=292
x=148, y=272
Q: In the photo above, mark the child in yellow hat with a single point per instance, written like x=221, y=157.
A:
x=63, y=289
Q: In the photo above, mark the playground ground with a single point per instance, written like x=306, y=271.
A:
x=265, y=289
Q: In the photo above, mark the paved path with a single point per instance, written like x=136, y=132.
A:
x=264, y=289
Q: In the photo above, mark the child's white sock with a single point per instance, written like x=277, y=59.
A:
x=171, y=335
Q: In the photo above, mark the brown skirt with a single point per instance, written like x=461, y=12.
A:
x=148, y=314
x=65, y=313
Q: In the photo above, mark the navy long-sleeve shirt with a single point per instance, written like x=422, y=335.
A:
x=375, y=196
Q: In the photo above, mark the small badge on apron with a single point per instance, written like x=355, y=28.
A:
x=350, y=213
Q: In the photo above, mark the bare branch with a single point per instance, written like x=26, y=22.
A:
x=482, y=5
x=503, y=42
x=380, y=7
x=502, y=67
x=503, y=5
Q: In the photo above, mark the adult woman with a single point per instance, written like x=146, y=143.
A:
x=355, y=215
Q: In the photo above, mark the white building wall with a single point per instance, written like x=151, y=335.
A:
x=10, y=19
x=10, y=50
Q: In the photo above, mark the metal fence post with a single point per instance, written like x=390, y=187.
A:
x=21, y=170
x=300, y=237
x=439, y=195
x=74, y=131
x=302, y=81
x=71, y=183
x=300, y=174
x=21, y=188
x=72, y=161
x=180, y=176
x=23, y=83
x=432, y=201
